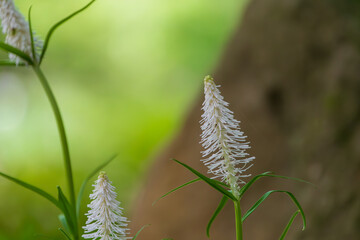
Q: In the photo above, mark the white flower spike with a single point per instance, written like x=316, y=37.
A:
x=17, y=30
x=224, y=143
x=105, y=220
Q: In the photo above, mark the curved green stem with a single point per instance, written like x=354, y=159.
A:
x=238, y=222
x=61, y=128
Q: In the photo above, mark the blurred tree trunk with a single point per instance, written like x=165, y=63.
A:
x=291, y=74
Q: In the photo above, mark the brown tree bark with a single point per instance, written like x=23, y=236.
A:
x=291, y=74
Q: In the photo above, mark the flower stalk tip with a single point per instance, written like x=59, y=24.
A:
x=208, y=78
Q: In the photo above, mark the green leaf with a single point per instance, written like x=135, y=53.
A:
x=63, y=222
x=217, y=211
x=252, y=209
x=289, y=225
x=137, y=234
x=69, y=212
x=58, y=24
x=16, y=51
x=65, y=234
x=175, y=189
x=10, y=63
x=267, y=174
x=209, y=181
x=31, y=35
x=221, y=183
x=32, y=188
x=83, y=185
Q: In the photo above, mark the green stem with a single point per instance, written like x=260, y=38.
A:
x=61, y=128
x=238, y=222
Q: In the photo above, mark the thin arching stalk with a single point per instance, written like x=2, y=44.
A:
x=62, y=132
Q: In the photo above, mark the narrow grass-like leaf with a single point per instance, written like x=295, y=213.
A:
x=177, y=188
x=289, y=225
x=251, y=182
x=58, y=24
x=68, y=212
x=31, y=35
x=65, y=234
x=10, y=63
x=137, y=234
x=267, y=174
x=209, y=181
x=221, y=183
x=63, y=222
x=16, y=51
x=222, y=203
x=252, y=209
x=32, y=188
x=83, y=185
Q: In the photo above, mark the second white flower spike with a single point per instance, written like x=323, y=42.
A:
x=105, y=220
x=225, y=145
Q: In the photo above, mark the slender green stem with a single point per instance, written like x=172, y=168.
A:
x=238, y=222
x=64, y=233
x=61, y=128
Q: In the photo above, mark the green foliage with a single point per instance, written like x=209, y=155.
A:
x=69, y=213
x=64, y=234
x=293, y=198
x=58, y=24
x=16, y=51
x=222, y=203
x=9, y=63
x=33, y=51
x=214, y=184
x=228, y=195
x=137, y=234
x=177, y=188
x=64, y=223
x=289, y=225
x=32, y=188
x=266, y=174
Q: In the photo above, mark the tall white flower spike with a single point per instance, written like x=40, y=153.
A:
x=17, y=30
x=224, y=143
x=105, y=220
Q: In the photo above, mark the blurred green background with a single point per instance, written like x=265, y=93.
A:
x=124, y=72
